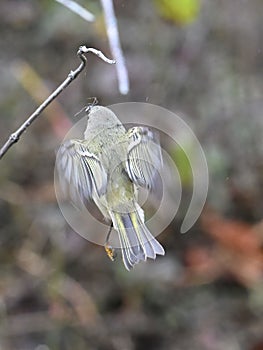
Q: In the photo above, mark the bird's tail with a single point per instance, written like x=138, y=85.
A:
x=137, y=243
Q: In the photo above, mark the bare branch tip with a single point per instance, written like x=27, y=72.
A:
x=83, y=49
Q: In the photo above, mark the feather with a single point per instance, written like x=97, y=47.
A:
x=137, y=243
x=80, y=172
x=144, y=158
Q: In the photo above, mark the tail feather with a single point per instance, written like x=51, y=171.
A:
x=137, y=243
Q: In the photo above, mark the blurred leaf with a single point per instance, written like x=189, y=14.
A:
x=238, y=247
x=183, y=165
x=178, y=11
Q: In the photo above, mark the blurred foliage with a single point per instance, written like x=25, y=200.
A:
x=58, y=291
x=178, y=11
x=179, y=156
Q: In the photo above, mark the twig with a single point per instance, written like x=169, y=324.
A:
x=37, y=89
x=78, y=9
x=84, y=49
x=116, y=50
x=113, y=36
x=13, y=138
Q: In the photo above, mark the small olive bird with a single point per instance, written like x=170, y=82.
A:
x=108, y=166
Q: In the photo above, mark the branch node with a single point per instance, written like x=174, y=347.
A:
x=71, y=74
x=14, y=137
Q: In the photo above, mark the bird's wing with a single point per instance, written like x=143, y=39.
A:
x=80, y=171
x=144, y=157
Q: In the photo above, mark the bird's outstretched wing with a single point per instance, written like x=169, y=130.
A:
x=144, y=157
x=80, y=172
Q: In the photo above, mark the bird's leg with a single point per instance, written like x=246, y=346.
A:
x=108, y=248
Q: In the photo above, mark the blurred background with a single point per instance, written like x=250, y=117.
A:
x=203, y=61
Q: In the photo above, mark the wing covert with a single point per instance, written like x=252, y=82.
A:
x=80, y=171
x=144, y=157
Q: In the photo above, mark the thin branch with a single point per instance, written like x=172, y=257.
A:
x=116, y=50
x=13, y=138
x=37, y=89
x=113, y=36
x=78, y=9
x=84, y=49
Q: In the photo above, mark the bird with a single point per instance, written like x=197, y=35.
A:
x=108, y=167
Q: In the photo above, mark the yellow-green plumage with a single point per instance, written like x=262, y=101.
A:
x=108, y=166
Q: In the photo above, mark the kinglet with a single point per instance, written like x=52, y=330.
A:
x=107, y=167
